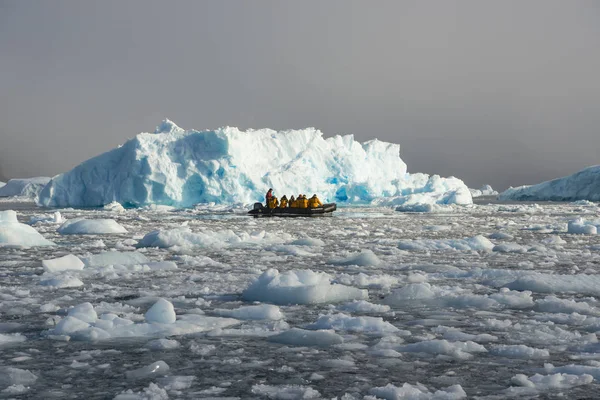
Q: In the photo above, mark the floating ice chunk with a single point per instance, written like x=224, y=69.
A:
x=175, y=382
x=62, y=282
x=16, y=376
x=364, y=258
x=583, y=185
x=84, y=312
x=263, y=311
x=114, y=207
x=574, y=369
x=453, y=334
x=286, y=392
x=476, y=243
x=307, y=241
x=82, y=226
x=417, y=392
x=363, y=306
x=69, y=325
x=554, y=283
x=115, y=258
x=500, y=236
x=299, y=287
x=458, y=350
x=161, y=312
x=14, y=233
x=413, y=291
x=11, y=338
x=30, y=187
x=184, y=237
x=56, y=218
x=343, y=322
x=159, y=368
x=553, y=304
x=152, y=392
x=554, y=240
x=580, y=226
x=363, y=280
x=302, y=337
x=510, y=248
x=421, y=208
x=163, y=344
x=539, y=382
x=65, y=263
x=518, y=351
x=513, y=298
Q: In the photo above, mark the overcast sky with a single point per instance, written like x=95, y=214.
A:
x=498, y=92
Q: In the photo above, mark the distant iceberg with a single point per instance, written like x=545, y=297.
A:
x=29, y=187
x=486, y=190
x=582, y=185
x=181, y=168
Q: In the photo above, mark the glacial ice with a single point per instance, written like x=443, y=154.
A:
x=582, y=185
x=29, y=187
x=182, y=168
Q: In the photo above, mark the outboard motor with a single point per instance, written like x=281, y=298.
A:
x=258, y=206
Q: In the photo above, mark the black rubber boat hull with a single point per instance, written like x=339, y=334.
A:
x=260, y=211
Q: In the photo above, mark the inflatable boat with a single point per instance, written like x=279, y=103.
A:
x=261, y=211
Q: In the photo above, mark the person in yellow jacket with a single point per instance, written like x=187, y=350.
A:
x=284, y=202
x=293, y=202
x=273, y=202
x=303, y=202
x=314, y=202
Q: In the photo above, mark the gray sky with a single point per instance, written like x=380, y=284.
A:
x=503, y=92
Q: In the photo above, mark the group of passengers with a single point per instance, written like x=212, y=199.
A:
x=294, y=202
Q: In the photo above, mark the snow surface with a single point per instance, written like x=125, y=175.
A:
x=183, y=168
x=582, y=185
x=369, y=303
x=29, y=187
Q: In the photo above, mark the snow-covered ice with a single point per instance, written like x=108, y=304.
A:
x=486, y=300
x=181, y=168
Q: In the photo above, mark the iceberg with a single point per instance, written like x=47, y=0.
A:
x=485, y=190
x=582, y=185
x=29, y=187
x=180, y=168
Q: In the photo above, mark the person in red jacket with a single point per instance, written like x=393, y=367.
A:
x=268, y=196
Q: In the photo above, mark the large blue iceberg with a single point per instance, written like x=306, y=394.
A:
x=181, y=168
x=582, y=185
